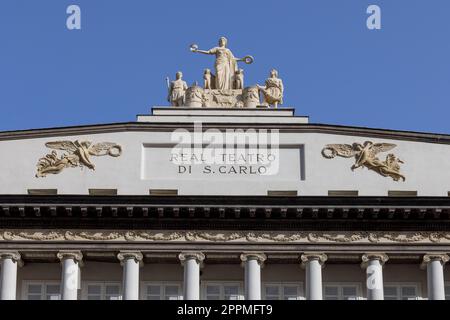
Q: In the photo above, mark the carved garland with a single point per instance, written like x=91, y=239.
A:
x=223, y=236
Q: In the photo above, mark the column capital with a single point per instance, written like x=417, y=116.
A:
x=129, y=254
x=258, y=256
x=13, y=255
x=311, y=256
x=198, y=256
x=70, y=254
x=427, y=258
x=369, y=256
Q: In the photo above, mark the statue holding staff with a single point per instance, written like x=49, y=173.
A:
x=226, y=64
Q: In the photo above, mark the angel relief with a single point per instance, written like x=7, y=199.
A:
x=366, y=156
x=77, y=154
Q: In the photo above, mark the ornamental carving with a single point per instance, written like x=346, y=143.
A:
x=76, y=154
x=227, y=236
x=366, y=156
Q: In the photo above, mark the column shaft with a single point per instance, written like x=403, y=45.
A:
x=8, y=279
x=435, y=279
x=70, y=277
x=313, y=280
x=191, y=285
x=130, y=260
x=374, y=280
x=313, y=262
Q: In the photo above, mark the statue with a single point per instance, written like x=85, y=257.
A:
x=365, y=155
x=239, y=79
x=250, y=95
x=195, y=96
x=273, y=91
x=177, y=90
x=209, y=79
x=225, y=65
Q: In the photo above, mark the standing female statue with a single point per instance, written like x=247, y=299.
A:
x=226, y=63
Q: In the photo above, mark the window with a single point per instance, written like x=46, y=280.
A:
x=447, y=291
x=282, y=291
x=341, y=291
x=280, y=193
x=42, y=291
x=102, y=192
x=163, y=192
x=401, y=193
x=102, y=291
x=400, y=291
x=161, y=291
x=222, y=291
x=343, y=193
x=42, y=192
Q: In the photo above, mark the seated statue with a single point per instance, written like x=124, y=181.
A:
x=273, y=90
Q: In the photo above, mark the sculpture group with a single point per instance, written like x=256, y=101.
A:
x=366, y=156
x=225, y=87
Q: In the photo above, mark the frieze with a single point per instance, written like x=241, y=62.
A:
x=226, y=236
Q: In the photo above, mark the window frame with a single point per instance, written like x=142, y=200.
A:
x=103, y=284
x=281, y=285
x=340, y=286
x=144, y=284
x=44, y=283
x=417, y=285
x=221, y=284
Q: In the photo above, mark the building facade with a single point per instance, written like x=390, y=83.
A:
x=139, y=227
x=224, y=196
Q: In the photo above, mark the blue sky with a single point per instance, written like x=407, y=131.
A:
x=334, y=69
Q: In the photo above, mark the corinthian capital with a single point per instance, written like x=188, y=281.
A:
x=70, y=254
x=258, y=256
x=311, y=256
x=380, y=256
x=13, y=255
x=442, y=257
x=197, y=256
x=125, y=255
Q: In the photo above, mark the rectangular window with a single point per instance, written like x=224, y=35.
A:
x=222, y=291
x=40, y=290
x=103, y=192
x=161, y=291
x=280, y=193
x=400, y=291
x=340, y=291
x=42, y=192
x=282, y=291
x=401, y=193
x=102, y=291
x=163, y=192
x=343, y=193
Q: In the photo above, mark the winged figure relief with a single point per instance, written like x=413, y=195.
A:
x=366, y=156
x=76, y=154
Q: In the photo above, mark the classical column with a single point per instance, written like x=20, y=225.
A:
x=252, y=264
x=313, y=263
x=130, y=261
x=8, y=277
x=70, y=261
x=191, y=262
x=373, y=262
x=434, y=262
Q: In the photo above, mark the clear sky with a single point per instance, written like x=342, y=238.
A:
x=334, y=69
